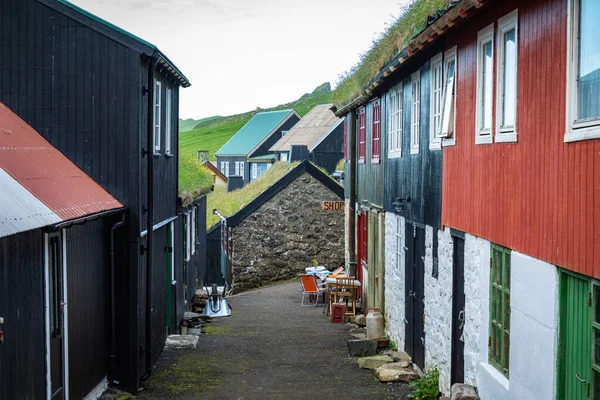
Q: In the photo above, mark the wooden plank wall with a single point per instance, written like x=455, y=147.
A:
x=370, y=177
x=539, y=196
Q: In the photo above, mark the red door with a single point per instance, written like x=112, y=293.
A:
x=363, y=241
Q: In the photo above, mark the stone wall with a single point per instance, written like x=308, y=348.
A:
x=394, y=279
x=438, y=306
x=282, y=237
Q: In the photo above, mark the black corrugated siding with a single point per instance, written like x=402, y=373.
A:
x=22, y=355
x=330, y=151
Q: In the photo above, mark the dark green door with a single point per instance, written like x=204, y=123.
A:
x=169, y=273
x=575, y=338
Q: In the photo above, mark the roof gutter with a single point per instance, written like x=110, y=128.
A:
x=84, y=219
x=436, y=29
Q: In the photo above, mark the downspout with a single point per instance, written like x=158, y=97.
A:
x=112, y=357
x=352, y=194
x=152, y=63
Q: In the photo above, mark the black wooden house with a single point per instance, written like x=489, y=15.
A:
x=109, y=102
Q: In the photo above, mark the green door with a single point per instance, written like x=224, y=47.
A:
x=169, y=274
x=575, y=354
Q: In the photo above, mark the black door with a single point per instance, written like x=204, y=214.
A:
x=414, y=295
x=458, y=311
x=56, y=298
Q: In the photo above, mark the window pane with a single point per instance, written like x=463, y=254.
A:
x=507, y=270
x=447, y=120
x=510, y=79
x=597, y=305
x=487, y=74
x=589, y=60
x=596, y=359
x=596, y=385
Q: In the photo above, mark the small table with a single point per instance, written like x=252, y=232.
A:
x=331, y=282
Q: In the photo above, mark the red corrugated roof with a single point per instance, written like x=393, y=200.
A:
x=46, y=173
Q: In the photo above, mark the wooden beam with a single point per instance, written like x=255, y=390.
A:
x=437, y=29
x=463, y=13
x=386, y=73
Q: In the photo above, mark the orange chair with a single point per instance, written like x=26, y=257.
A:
x=312, y=288
x=346, y=291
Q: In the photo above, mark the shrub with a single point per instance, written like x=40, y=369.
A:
x=427, y=387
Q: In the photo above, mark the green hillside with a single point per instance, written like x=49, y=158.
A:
x=211, y=134
x=189, y=124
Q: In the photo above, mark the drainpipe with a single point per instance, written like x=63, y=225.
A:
x=152, y=63
x=352, y=194
x=112, y=357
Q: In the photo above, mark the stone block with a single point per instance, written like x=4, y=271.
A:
x=362, y=348
x=395, y=372
x=179, y=342
x=373, y=362
x=360, y=320
x=397, y=355
x=460, y=391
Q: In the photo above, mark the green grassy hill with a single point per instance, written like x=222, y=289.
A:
x=189, y=124
x=211, y=134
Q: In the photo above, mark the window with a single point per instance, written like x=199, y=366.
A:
x=485, y=84
x=225, y=168
x=506, y=102
x=376, y=133
x=362, y=135
x=395, y=122
x=345, y=139
x=283, y=133
x=168, y=112
x=415, y=113
x=188, y=226
x=193, y=233
x=254, y=171
x=239, y=168
x=157, y=98
x=583, y=105
x=283, y=157
x=172, y=251
x=437, y=91
x=449, y=99
x=499, y=340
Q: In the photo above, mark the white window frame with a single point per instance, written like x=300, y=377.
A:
x=484, y=136
x=361, y=159
x=168, y=124
x=436, y=103
x=283, y=157
x=172, y=244
x=253, y=171
x=239, y=168
x=449, y=56
x=375, y=103
x=283, y=133
x=157, y=121
x=415, y=112
x=188, y=237
x=395, y=121
x=193, y=235
x=576, y=130
x=225, y=168
x=506, y=24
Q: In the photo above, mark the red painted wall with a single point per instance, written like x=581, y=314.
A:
x=539, y=196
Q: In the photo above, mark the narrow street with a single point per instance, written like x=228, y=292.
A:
x=270, y=348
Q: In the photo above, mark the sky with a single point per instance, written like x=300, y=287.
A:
x=243, y=54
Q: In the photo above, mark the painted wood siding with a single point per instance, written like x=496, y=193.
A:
x=418, y=176
x=274, y=138
x=23, y=354
x=370, y=177
x=539, y=196
x=330, y=151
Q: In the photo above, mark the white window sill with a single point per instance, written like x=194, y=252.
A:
x=449, y=142
x=496, y=375
x=414, y=151
x=395, y=154
x=487, y=139
x=435, y=146
x=506, y=137
x=575, y=135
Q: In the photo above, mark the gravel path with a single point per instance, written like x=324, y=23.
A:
x=270, y=348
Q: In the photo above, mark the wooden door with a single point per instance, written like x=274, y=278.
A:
x=56, y=307
x=457, y=370
x=363, y=243
x=575, y=338
x=415, y=294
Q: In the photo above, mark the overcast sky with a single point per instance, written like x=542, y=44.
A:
x=243, y=54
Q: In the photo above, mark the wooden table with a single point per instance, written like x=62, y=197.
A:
x=331, y=283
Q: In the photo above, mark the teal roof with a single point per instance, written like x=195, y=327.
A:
x=255, y=130
x=266, y=157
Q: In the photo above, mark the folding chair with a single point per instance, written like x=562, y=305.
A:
x=311, y=287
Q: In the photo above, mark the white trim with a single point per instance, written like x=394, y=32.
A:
x=374, y=103
x=435, y=130
x=505, y=24
x=359, y=112
x=65, y=326
x=47, y=315
x=168, y=122
x=283, y=156
x=451, y=55
x=193, y=232
x=398, y=92
x=187, y=236
x=173, y=280
x=249, y=155
x=327, y=134
x=158, y=226
x=575, y=131
x=415, y=112
x=484, y=136
x=157, y=125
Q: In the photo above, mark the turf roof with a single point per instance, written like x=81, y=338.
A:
x=251, y=134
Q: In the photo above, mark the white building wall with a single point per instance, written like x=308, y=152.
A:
x=438, y=306
x=394, y=279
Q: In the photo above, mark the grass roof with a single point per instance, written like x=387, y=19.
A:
x=412, y=20
x=230, y=203
x=194, y=179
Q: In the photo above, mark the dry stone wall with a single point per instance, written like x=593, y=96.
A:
x=282, y=237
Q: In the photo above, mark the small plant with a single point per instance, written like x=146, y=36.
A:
x=393, y=345
x=427, y=387
x=315, y=263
